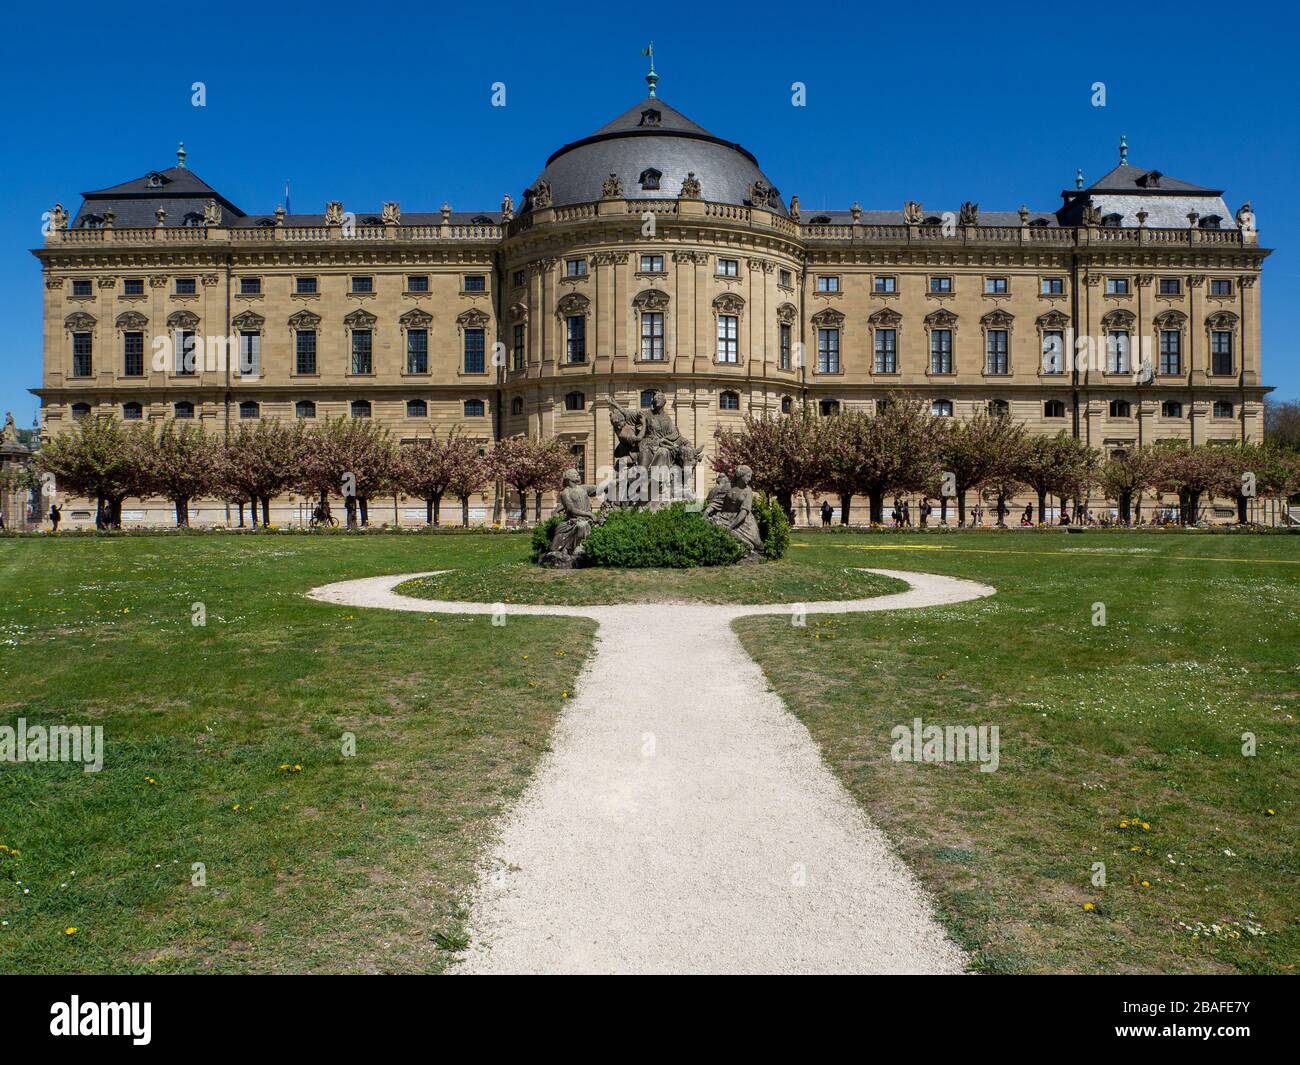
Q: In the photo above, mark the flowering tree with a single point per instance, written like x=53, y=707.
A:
x=180, y=462
x=101, y=459
x=260, y=461
x=350, y=457
x=426, y=469
x=1125, y=474
x=1191, y=471
x=470, y=473
x=784, y=453
x=1055, y=465
x=527, y=464
x=1279, y=474
x=979, y=451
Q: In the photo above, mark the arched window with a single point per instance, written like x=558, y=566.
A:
x=941, y=408
x=1222, y=408
x=1211, y=221
x=787, y=404
x=474, y=408
x=1112, y=221
x=183, y=409
x=575, y=401
x=304, y=408
x=417, y=408
x=999, y=408
x=249, y=409
x=361, y=408
x=1171, y=408
x=81, y=410
x=647, y=394
x=649, y=179
x=729, y=401
x=132, y=412
x=1120, y=408
x=517, y=405
x=829, y=407
x=1054, y=408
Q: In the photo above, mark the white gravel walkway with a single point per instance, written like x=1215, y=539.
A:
x=684, y=820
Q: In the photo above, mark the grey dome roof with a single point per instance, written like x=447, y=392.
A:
x=653, y=137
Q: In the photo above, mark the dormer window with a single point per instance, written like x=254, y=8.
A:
x=820, y=220
x=1151, y=179
x=934, y=220
x=92, y=221
x=1039, y=222
x=480, y=220
x=372, y=221
x=193, y=220
x=1112, y=221
x=649, y=180
x=650, y=117
x=1211, y=221
x=266, y=223
x=155, y=181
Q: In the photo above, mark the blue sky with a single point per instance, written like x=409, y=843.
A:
x=393, y=102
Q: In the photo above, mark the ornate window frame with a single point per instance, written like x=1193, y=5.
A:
x=828, y=319
x=1118, y=320
x=884, y=319
x=652, y=301
x=731, y=305
x=942, y=318
x=359, y=319
x=415, y=318
x=473, y=319
x=1053, y=321
x=1171, y=321
x=1222, y=322
x=305, y=321
x=574, y=305
x=997, y=321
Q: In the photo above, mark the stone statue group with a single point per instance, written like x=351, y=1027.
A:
x=653, y=465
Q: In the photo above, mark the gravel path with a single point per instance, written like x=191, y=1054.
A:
x=684, y=820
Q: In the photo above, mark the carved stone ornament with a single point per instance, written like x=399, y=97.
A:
x=518, y=312
x=415, y=319
x=729, y=303
x=572, y=305
x=885, y=319
x=541, y=195
x=998, y=319
x=1170, y=319
x=968, y=214
x=248, y=320
x=690, y=187
x=1245, y=216
x=359, y=319
x=1091, y=215
x=131, y=320
x=829, y=319
x=59, y=216
x=650, y=300
x=759, y=194
x=1118, y=319
x=158, y=280
x=787, y=314
x=1053, y=320
x=855, y=212
x=941, y=319
x=391, y=214
x=913, y=213
x=79, y=322
x=334, y=213
x=472, y=319
x=507, y=208
x=304, y=320
x=612, y=189
x=212, y=213
x=794, y=208
x=182, y=320
x=161, y=215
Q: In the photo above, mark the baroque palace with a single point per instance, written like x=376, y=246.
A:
x=649, y=255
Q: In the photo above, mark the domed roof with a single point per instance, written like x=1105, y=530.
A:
x=651, y=148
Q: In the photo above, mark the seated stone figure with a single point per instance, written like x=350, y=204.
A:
x=736, y=512
x=718, y=493
x=575, y=504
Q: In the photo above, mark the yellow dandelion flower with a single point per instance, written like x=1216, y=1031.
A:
x=1089, y=906
x=1146, y=827
x=70, y=931
x=1270, y=813
x=564, y=695
x=1146, y=883
x=235, y=807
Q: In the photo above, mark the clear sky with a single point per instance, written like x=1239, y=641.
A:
x=944, y=103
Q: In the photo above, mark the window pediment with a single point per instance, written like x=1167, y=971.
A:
x=998, y=319
x=728, y=303
x=248, y=320
x=1118, y=319
x=415, y=319
x=885, y=319
x=131, y=320
x=573, y=305
x=79, y=321
x=304, y=320
x=183, y=320
x=472, y=319
x=359, y=319
x=787, y=313
x=652, y=299
x=941, y=319
x=1053, y=320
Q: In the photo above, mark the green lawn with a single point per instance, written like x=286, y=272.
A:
x=360, y=863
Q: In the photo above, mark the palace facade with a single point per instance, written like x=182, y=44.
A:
x=652, y=254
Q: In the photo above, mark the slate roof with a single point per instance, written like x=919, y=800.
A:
x=178, y=190
x=363, y=218
x=1125, y=178
x=895, y=218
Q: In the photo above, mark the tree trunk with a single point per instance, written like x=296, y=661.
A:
x=182, y=513
x=350, y=507
x=101, y=518
x=365, y=510
x=537, y=506
x=523, y=508
x=1125, y=506
x=1194, y=507
x=241, y=515
x=846, y=504
x=943, y=510
x=876, y=506
x=1002, y=511
x=785, y=501
x=428, y=512
x=266, y=510
x=1242, y=516
x=437, y=506
x=961, y=507
x=464, y=511
x=1042, y=505
x=115, y=513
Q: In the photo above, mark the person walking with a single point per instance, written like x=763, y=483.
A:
x=828, y=512
x=925, y=511
x=56, y=515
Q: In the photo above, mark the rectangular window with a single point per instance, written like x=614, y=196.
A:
x=652, y=336
x=133, y=354
x=81, y=287
x=185, y=286
x=828, y=283
x=305, y=352
x=828, y=351
x=1053, y=286
x=82, y=347
x=250, y=286
x=1171, y=286
x=361, y=352
x=1053, y=351
x=1221, y=351
x=784, y=279
x=652, y=264
x=575, y=337
x=728, y=338
x=941, y=351
x=133, y=286
x=475, y=351
x=475, y=283
x=305, y=286
x=575, y=267
x=1171, y=351
x=519, y=278
x=785, y=336
x=186, y=352
x=1117, y=286
x=886, y=351
x=995, y=286
x=1220, y=287
x=250, y=354
x=417, y=283
x=996, y=342
x=941, y=284
x=363, y=283
x=417, y=351
x=1117, y=351
x=728, y=267
x=885, y=284
x=520, y=351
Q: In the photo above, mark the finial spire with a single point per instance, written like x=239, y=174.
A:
x=180, y=155
x=1123, y=150
x=1078, y=178
x=652, y=78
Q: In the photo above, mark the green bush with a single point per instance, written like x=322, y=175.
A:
x=543, y=534
x=672, y=538
x=773, y=526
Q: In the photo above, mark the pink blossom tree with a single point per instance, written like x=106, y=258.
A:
x=784, y=452
x=426, y=469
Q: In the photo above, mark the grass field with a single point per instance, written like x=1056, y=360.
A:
x=359, y=863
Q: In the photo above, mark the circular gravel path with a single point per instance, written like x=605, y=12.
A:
x=683, y=820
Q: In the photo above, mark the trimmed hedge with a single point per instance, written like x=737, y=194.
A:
x=671, y=538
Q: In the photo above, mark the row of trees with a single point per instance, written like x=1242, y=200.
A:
x=108, y=461
x=903, y=449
